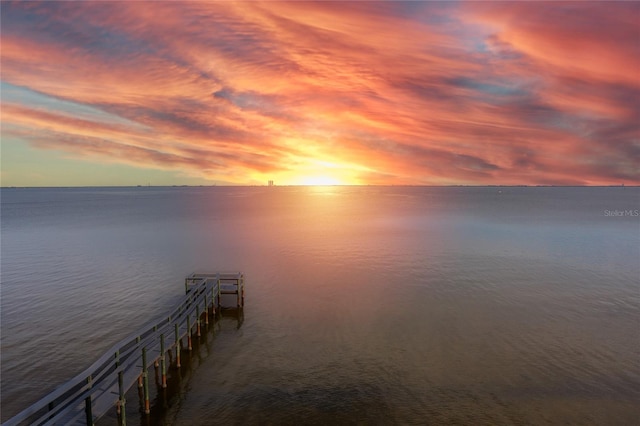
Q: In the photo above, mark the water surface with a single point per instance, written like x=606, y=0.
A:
x=371, y=305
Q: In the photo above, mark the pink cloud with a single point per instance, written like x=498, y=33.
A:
x=597, y=40
x=420, y=93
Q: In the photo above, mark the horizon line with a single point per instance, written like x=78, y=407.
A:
x=335, y=185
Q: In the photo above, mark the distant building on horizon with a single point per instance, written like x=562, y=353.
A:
x=270, y=183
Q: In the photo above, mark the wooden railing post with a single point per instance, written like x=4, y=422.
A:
x=145, y=378
x=213, y=301
x=163, y=362
x=218, y=282
x=206, y=310
x=238, y=293
x=122, y=413
x=87, y=405
x=189, y=331
x=198, y=320
x=242, y=299
x=177, y=347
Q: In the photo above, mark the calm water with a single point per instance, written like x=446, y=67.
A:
x=365, y=305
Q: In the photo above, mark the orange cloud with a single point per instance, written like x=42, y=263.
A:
x=410, y=93
x=597, y=40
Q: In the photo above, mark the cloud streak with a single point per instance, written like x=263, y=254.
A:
x=381, y=93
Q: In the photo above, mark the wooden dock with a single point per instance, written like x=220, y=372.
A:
x=102, y=387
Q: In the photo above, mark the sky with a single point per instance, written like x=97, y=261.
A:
x=371, y=93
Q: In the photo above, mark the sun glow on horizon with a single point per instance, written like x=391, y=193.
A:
x=320, y=181
x=320, y=172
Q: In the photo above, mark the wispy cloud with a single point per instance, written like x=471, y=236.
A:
x=384, y=92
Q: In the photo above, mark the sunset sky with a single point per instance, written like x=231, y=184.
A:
x=433, y=93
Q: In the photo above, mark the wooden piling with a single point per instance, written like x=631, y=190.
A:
x=206, y=310
x=198, y=320
x=189, y=347
x=121, y=401
x=177, y=347
x=146, y=381
x=163, y=362
x=156, y=361
x=140, y=376
x=218, y=281
x=213, y=301
x=87, y=405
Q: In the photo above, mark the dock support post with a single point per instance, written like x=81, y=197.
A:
x=121, y=401
x=198, y=321
x=213, y=302
x=218, y=281
x=145, y=377
x=162, y=361
x=206, y=310
x=186, y=285
x=189, y=332
x=156, y=362
x=140, y=376
x=87, y=405
x=177, y=347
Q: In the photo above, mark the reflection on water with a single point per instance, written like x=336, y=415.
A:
x=363, y=305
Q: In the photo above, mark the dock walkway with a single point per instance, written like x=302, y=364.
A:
x=102, y=387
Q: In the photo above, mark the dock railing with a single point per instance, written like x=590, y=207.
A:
x=101, y=387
